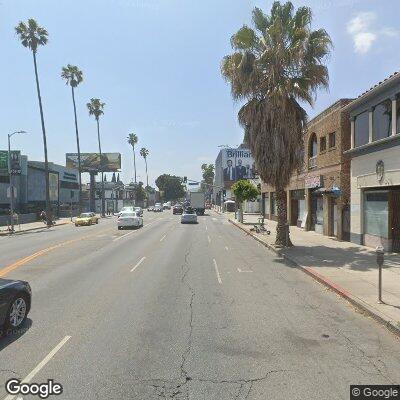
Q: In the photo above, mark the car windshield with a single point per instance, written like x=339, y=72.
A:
x=190, y=210
x=85, y=215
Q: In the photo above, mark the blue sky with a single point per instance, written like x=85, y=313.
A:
x=155, y=63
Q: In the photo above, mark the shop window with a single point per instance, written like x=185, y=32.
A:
x=320, y=211
x=382, y=120
x=361, y=129
x=322, y=144
x=273, y=204
x=332, y=139
x=376, y=214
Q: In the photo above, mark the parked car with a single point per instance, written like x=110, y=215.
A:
x=167, y=205
x=189, y=216
x=88, y=218
x=15, y=304
x=139, y=210
x=177, y=209
x=158, y=207
x=129, y=220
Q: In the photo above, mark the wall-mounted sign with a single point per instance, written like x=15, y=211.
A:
x=314, y=181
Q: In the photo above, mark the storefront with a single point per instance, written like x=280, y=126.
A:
x=297, y=207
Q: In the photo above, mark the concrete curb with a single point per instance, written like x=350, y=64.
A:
x=6, y=233
x=358, y=303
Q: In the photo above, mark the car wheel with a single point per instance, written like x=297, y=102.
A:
x=17, y=312
x=76, y=225
x=97, y=221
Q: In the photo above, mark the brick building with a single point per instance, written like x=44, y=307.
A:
x=318, y=196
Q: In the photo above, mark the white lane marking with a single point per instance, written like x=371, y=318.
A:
x=37, y=369
x=240, y=270
x=226, y=248
x=126, y=234
x=163, y=238
x=140, y=261
x=217, y=272
x=206, y=228
x=209, y=239
x=214, y=219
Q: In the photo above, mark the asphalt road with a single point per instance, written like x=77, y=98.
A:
x=173, y=311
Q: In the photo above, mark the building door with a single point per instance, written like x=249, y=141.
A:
x=395, y=221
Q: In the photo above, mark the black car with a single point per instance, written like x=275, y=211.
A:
x=15, y=303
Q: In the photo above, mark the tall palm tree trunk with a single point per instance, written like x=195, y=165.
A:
x=46, y=161
x=101, y=169
x=79, y=152
x=134, y=160
x=147, y=175
x=282, y=229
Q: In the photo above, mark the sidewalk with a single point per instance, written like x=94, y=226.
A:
x=347, y=268
x=31, y=226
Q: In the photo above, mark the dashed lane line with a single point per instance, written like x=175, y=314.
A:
x=40, y=366
x=139, y=262
x=217, y=272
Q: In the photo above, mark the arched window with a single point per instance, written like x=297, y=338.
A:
x=313, y=146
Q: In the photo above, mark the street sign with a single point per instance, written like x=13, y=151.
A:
x=193, y=183
x=11, y=189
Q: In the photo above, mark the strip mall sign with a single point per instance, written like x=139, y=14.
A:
x=311, y=182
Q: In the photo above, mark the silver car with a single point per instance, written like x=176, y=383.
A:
x=189, y=216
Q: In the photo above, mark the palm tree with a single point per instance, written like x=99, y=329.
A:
x=132, y=140
x=32, y=36
x=272, y=69
x=73, y=77
x=95, y=107
x=144, y=153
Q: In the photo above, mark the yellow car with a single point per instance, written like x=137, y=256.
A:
x=88, y=218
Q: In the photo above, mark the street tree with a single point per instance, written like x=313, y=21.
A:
x=171, y=186
x=144, y=153
x=96, y=109
x=132, y=140
x=32, y=35
x=73, y=77
x=244, y=190
x=273, y=69
x=208, y=173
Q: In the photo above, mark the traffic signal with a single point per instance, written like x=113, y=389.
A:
x=184, y=179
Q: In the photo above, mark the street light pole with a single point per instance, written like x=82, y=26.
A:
x=10, y=179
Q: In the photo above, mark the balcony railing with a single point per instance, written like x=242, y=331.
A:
x=312, y=162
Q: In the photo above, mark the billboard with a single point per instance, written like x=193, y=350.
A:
x=90, y=162
x=237, y=164
x=15, y=156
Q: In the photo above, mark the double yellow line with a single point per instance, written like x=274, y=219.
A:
x=39, y=253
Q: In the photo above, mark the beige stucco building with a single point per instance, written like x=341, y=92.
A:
x=375, y=165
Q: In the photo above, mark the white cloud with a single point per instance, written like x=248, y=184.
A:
x=362, y=30
x=360, y=23
x=363, y=41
